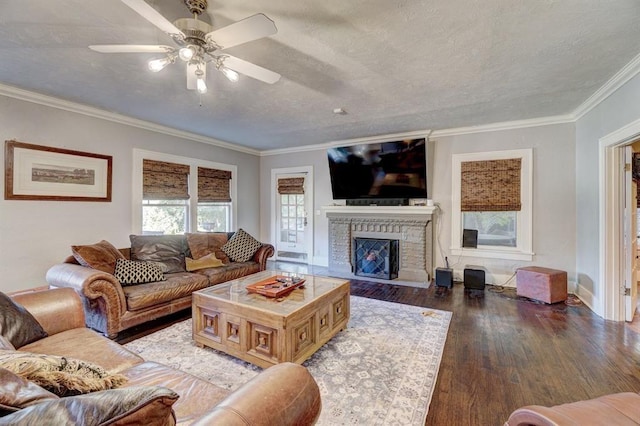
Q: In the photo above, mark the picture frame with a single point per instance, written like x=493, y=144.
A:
x=36, y=172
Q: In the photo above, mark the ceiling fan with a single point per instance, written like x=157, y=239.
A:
x=199, y=44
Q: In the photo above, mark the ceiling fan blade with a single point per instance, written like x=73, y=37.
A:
x=153, y=16
x=250, y=70
x=248, y=29
x=131, y=48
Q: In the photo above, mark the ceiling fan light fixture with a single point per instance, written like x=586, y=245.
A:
x=187, y=53
x=157, y=65
x=230, y=74
x=201, y=86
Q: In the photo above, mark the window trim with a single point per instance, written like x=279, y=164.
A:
x=194, y=163
x=524, y=218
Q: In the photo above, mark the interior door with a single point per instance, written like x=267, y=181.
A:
x=630, y=237
x=292, y=216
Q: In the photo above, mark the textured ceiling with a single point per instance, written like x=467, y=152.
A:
x=394, y=65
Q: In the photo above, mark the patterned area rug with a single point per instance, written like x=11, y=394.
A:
x=381, y=370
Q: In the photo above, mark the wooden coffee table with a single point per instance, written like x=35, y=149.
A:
x=267, y=331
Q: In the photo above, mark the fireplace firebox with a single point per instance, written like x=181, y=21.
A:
x=374, y=257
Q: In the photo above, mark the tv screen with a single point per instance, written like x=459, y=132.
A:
x=395, y=169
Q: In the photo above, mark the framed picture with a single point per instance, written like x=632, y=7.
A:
x=35, y=172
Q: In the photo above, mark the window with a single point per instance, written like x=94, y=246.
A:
x=492, y=192
x=214, y=200
x=175, y=195
x=164, y=216
x=214, y=217
x=494, y=228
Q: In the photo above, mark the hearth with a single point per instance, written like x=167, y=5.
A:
x=377, y=258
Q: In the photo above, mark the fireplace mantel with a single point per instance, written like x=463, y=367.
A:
x=381, y=210
x=412, y=226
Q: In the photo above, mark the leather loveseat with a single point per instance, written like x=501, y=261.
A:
x=614, y=409
x=111, y=307
x=285, y=394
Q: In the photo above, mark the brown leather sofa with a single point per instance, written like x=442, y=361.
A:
x=285, y=394
x=111, y=307
x=615, y=409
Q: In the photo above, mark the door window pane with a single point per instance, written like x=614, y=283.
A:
x=494, y=228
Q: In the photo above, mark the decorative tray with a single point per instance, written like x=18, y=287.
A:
x=277, y=286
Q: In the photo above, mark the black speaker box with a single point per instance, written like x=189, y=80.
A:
x=470, y=238
x=474, y=279
x=444, y=277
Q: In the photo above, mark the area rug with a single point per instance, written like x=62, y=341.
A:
x=381, y=370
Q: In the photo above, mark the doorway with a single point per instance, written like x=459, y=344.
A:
x=630, y=229
x=612, y=223
x=292, y=221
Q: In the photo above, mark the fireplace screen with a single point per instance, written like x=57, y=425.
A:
x=376, y=258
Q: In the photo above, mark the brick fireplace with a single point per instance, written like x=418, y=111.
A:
x=411, y=226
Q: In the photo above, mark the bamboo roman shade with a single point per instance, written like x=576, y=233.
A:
x=492, y=185
x=164, y=181
x=213, y=185
x=291, y=185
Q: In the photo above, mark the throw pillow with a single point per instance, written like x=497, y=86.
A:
x=17, y=393
x=202, y=244
x=17, y=325
x=136, y=405
x=241, y=247
x=166, y=250
x=60, y=375
x=101, y=256
x=208, y=261
x=137, y=272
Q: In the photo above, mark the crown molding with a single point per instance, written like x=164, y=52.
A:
x=346, y=142
x=50, y=101
x=505, y=125
x=614, y=83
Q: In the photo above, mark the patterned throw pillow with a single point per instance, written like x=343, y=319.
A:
x=130, y=272
x=241, y=247
x=60, y=375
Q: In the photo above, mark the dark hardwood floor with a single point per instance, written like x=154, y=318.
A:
x=503, y=351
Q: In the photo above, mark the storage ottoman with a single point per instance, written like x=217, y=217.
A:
x=543, y=284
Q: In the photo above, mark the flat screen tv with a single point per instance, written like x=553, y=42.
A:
x=396, y=169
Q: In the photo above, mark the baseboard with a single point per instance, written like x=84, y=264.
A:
x=585, y=297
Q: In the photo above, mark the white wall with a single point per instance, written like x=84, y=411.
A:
x=553, y=198
x=37, y=234
x=618, y=110
x=554, y=204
